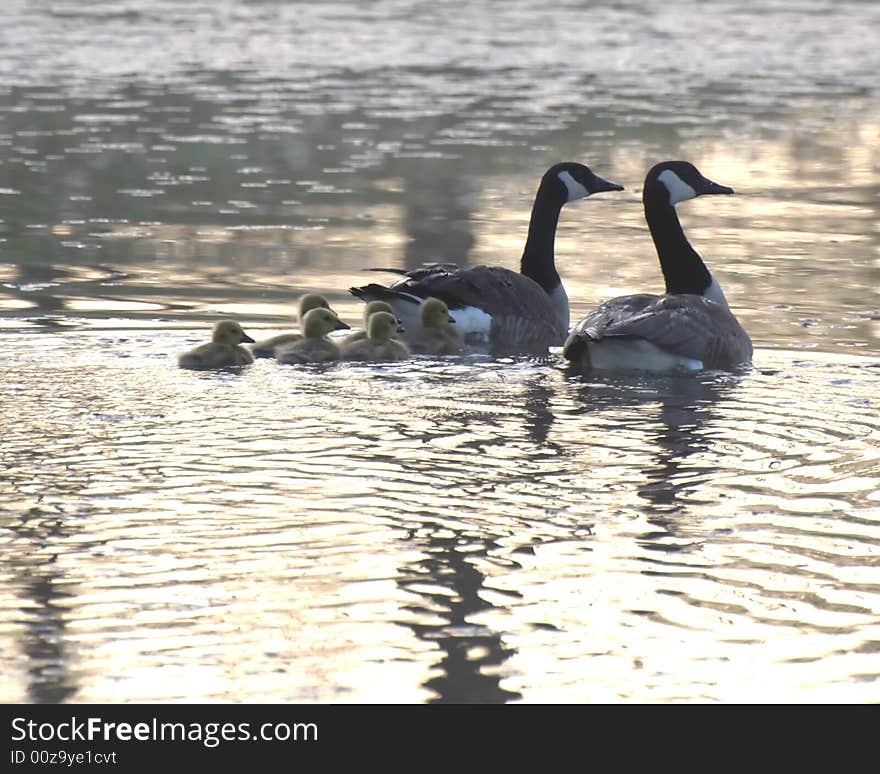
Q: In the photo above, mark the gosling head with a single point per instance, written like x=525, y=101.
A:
x=318, y=322
x=435, y=313
x=230, y=332
x=311, y=301
x=383, y=325
x=376, y=306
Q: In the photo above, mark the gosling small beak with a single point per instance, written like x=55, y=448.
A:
x=400, y=328
x=450, y=319
x=246, y=339
x=342, y=326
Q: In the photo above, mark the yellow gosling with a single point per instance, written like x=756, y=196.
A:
x=314, y=346
x=222, y=351
x=307, y=302
x=379, y=345
x=369, y=308
x=438, y=334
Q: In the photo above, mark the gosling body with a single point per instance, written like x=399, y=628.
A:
x=438, y=334
x=369, y=308
x=314, y=346
x=380, y=344
x=223, y=351
x=307, y=302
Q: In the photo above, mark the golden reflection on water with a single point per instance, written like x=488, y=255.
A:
x=446, y=527
x=465, y=530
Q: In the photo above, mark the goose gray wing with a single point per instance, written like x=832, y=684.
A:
x=686, y=325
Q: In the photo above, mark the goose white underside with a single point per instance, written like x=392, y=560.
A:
x=636, y=354
x=473, y=324
x=406, y=308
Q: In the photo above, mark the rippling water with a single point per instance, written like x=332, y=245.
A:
x=465, y=529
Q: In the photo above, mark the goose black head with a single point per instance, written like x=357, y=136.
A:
x=577, y=180
x=672, y=182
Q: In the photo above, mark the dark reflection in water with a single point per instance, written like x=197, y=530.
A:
x=683, y=408
x=242, y=152
x=686, y=415
x=471, y=654
x=538, y=414
x=43, y=592
x=437, y=215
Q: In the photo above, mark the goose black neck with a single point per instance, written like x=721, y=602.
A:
x=538, y=260
x=683, y=269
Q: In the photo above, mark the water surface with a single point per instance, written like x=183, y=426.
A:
x=467, y=529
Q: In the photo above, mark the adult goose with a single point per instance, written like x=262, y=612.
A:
x=690, y=326
x=224, y=349
x=493, y=306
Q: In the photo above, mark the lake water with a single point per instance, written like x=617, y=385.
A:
x=442, y=530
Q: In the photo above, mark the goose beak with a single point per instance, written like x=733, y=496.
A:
x=342, y=326
x=400, y=328
x=714, y=188
x=599, y=185
x=450, y=319
x=245, y=339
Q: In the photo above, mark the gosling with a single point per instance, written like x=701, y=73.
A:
x=224, y=349
x=438, y=335
x=307, y=302
x=369, y=308
x=379, y=345
x=314, y=346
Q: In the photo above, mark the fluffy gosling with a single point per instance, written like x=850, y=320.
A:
x=307, y=302
x=438, y=334
x=369, y=308
x=314, y=346
x=379, y=345
x=222, y=351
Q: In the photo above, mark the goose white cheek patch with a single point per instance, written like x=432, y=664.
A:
x=679, y=191
x=575, y=189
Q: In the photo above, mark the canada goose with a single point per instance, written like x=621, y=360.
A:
x=379, y=344
x=437, y=335
x=314, y=346
x=493, y=306
x=369, y=308
x=222, y=351
x=691, y=326
x=307, y=302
